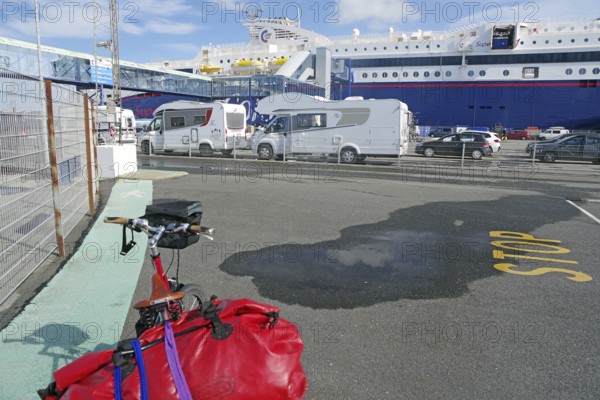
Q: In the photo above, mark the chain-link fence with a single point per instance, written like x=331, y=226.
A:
x=45, y=185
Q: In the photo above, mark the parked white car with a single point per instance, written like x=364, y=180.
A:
x=493, y=140
x=490, y=137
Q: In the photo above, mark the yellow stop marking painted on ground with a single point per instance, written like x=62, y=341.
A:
x=500, y=255
x=557, y=249
x=574, y=275
x=530, y=244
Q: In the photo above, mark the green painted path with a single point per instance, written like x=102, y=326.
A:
x=83, y=308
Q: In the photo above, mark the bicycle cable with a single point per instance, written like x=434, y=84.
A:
x=171, y=263
x=177, y=270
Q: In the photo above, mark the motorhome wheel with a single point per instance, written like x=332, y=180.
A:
x=348, y=155
x=146, y=148
x=205, y=150
x=265, y=152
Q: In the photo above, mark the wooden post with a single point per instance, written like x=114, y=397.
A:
x=54, y=171
x=88, y=153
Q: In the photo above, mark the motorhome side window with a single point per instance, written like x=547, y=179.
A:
x=199, y=119
x=177, y=122
x=312, y=120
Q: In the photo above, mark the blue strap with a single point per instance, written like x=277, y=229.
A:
x=117, y=383
x=137, y=349
x=175, y=365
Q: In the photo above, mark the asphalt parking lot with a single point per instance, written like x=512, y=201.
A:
x=418, y=279
x=410, y=289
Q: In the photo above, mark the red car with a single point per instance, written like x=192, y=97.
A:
x=520, y=134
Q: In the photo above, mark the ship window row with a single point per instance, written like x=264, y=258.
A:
x=406, y=47
x=546, y=58
x=384, y=48
x=471, y=73
x=229, y=61
x=405, y=74
x=559, y=41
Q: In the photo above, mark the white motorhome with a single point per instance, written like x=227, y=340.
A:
x=204, y=127
x=355, y=128
x=110, y=124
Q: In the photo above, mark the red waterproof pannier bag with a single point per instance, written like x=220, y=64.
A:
x=236, y=349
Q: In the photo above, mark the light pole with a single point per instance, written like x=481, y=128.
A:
x=116, y=70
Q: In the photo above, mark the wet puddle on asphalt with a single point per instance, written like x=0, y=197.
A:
x=424, y=252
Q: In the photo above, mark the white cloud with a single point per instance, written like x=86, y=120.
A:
x=159, y=25
x=76, y=20
x=182, y=48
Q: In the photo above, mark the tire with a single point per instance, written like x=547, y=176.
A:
x=477, y=154
x=265, y=152
x=429, y=152
x=145, y=148
x=523, y=138
x=348, y=155
x=549, y=157
x=205, y=150
x=194, y=297
x=227, y=153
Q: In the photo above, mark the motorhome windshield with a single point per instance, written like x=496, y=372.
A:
x=155, y=124
x=277, y=125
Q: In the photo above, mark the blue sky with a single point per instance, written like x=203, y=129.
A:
x=156, y=30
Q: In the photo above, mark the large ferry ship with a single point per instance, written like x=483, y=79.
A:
x=511, y=74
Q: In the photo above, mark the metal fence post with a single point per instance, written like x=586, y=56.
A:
x=95, y=142
x=533, y=152
x=88, y=152
x=284, y=143
x=54, y=171
x=235, y=139
x=462, y=158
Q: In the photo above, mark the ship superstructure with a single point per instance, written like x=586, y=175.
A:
x=516, y=74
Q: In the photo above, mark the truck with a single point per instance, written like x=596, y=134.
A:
x=110, y=124
x=351, y=129
x=194, y=126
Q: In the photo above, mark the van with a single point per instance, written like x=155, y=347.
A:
x=440, y=132
x=110, y=125
x=553, y=132
x=193, y=126
x=351, y=129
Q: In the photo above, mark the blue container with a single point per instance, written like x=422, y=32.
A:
x=500, y=43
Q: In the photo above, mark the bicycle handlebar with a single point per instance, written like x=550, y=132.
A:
x=117, y=220
x=143, y=224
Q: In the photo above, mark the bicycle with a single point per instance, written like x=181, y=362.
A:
x=169, y=298
x=199, y=349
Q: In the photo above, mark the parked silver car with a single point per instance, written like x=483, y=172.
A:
x=573, y=148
